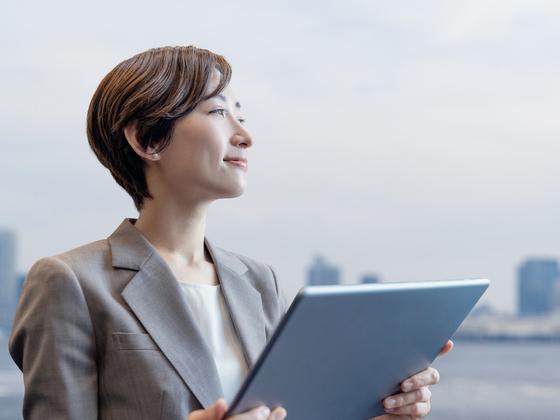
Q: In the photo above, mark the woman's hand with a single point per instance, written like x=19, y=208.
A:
x=414, y=402
x=219, y=408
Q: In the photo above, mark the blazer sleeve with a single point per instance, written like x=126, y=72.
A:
x=52, y=342
x=280, y=292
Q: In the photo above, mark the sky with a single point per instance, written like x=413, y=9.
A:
x=414, y=140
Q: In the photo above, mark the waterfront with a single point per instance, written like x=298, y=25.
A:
x=483, y=381
x=498, y=381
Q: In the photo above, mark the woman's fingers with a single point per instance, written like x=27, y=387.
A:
x=407, y=406
x=446, y=348
x=220, y=408
x=215, y=412
x=415, y=400
x=278, y=414
x=261, y=413
x=419, y=409
x=399, y=400
x=428, y=376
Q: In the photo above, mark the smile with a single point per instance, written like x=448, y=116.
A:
x=240, y=163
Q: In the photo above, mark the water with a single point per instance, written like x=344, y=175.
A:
x=498, y=381
x=483, y=381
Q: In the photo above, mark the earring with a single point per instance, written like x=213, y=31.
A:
x=155, y=156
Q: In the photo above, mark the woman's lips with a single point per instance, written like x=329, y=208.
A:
x=240, y=163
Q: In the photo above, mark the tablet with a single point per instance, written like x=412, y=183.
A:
x=340, y=350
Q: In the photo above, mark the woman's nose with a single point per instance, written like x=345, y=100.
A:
x=242, y=138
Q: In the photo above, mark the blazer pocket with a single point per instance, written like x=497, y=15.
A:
x=134, y=341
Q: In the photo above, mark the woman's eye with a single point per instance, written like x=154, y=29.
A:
x=220, y=111
x=223, y=111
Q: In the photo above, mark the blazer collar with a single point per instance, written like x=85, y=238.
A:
x=155, y=297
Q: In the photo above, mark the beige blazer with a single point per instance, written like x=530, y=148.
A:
x=103, y=332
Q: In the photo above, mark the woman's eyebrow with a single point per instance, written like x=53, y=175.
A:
x=223, y=98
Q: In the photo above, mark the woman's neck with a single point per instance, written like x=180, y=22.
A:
x=176, y=233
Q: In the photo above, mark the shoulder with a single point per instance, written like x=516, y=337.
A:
x=52, y=288
x=52, y=300
x=90, y=254
x=64, y=269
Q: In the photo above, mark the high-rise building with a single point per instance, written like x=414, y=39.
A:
x=537, y=283
x=370, y=278
x=7, y=277
x=557, y=296
x=321, y=273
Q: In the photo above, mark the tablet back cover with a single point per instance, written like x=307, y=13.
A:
x=340, y=350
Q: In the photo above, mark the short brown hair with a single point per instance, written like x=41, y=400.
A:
x=152, y=89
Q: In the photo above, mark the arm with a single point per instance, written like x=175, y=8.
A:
x=53, y=344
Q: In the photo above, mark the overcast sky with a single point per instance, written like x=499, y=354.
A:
x=416, y=140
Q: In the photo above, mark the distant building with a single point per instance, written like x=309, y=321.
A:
x=370, y=278
x=321, y=273
x=7, y=277
x=537, y=286
x=557, y=296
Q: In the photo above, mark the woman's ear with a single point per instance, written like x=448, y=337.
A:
x=130, y=135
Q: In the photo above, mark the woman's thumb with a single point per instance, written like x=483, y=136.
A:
x=220, y=408
x=215, y=412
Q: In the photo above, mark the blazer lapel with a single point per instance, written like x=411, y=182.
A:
x=243, y=301
x=155, y=297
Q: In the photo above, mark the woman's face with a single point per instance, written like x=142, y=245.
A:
x=194, y=166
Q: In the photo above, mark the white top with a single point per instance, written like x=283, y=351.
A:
x=210, y=313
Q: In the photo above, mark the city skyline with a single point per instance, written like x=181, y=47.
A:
x=417, y=140
x=538, y=278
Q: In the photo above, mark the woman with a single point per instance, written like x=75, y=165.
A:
x=157, y=322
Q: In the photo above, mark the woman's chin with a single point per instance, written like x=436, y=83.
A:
x=238, y=193
x=234, y=192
